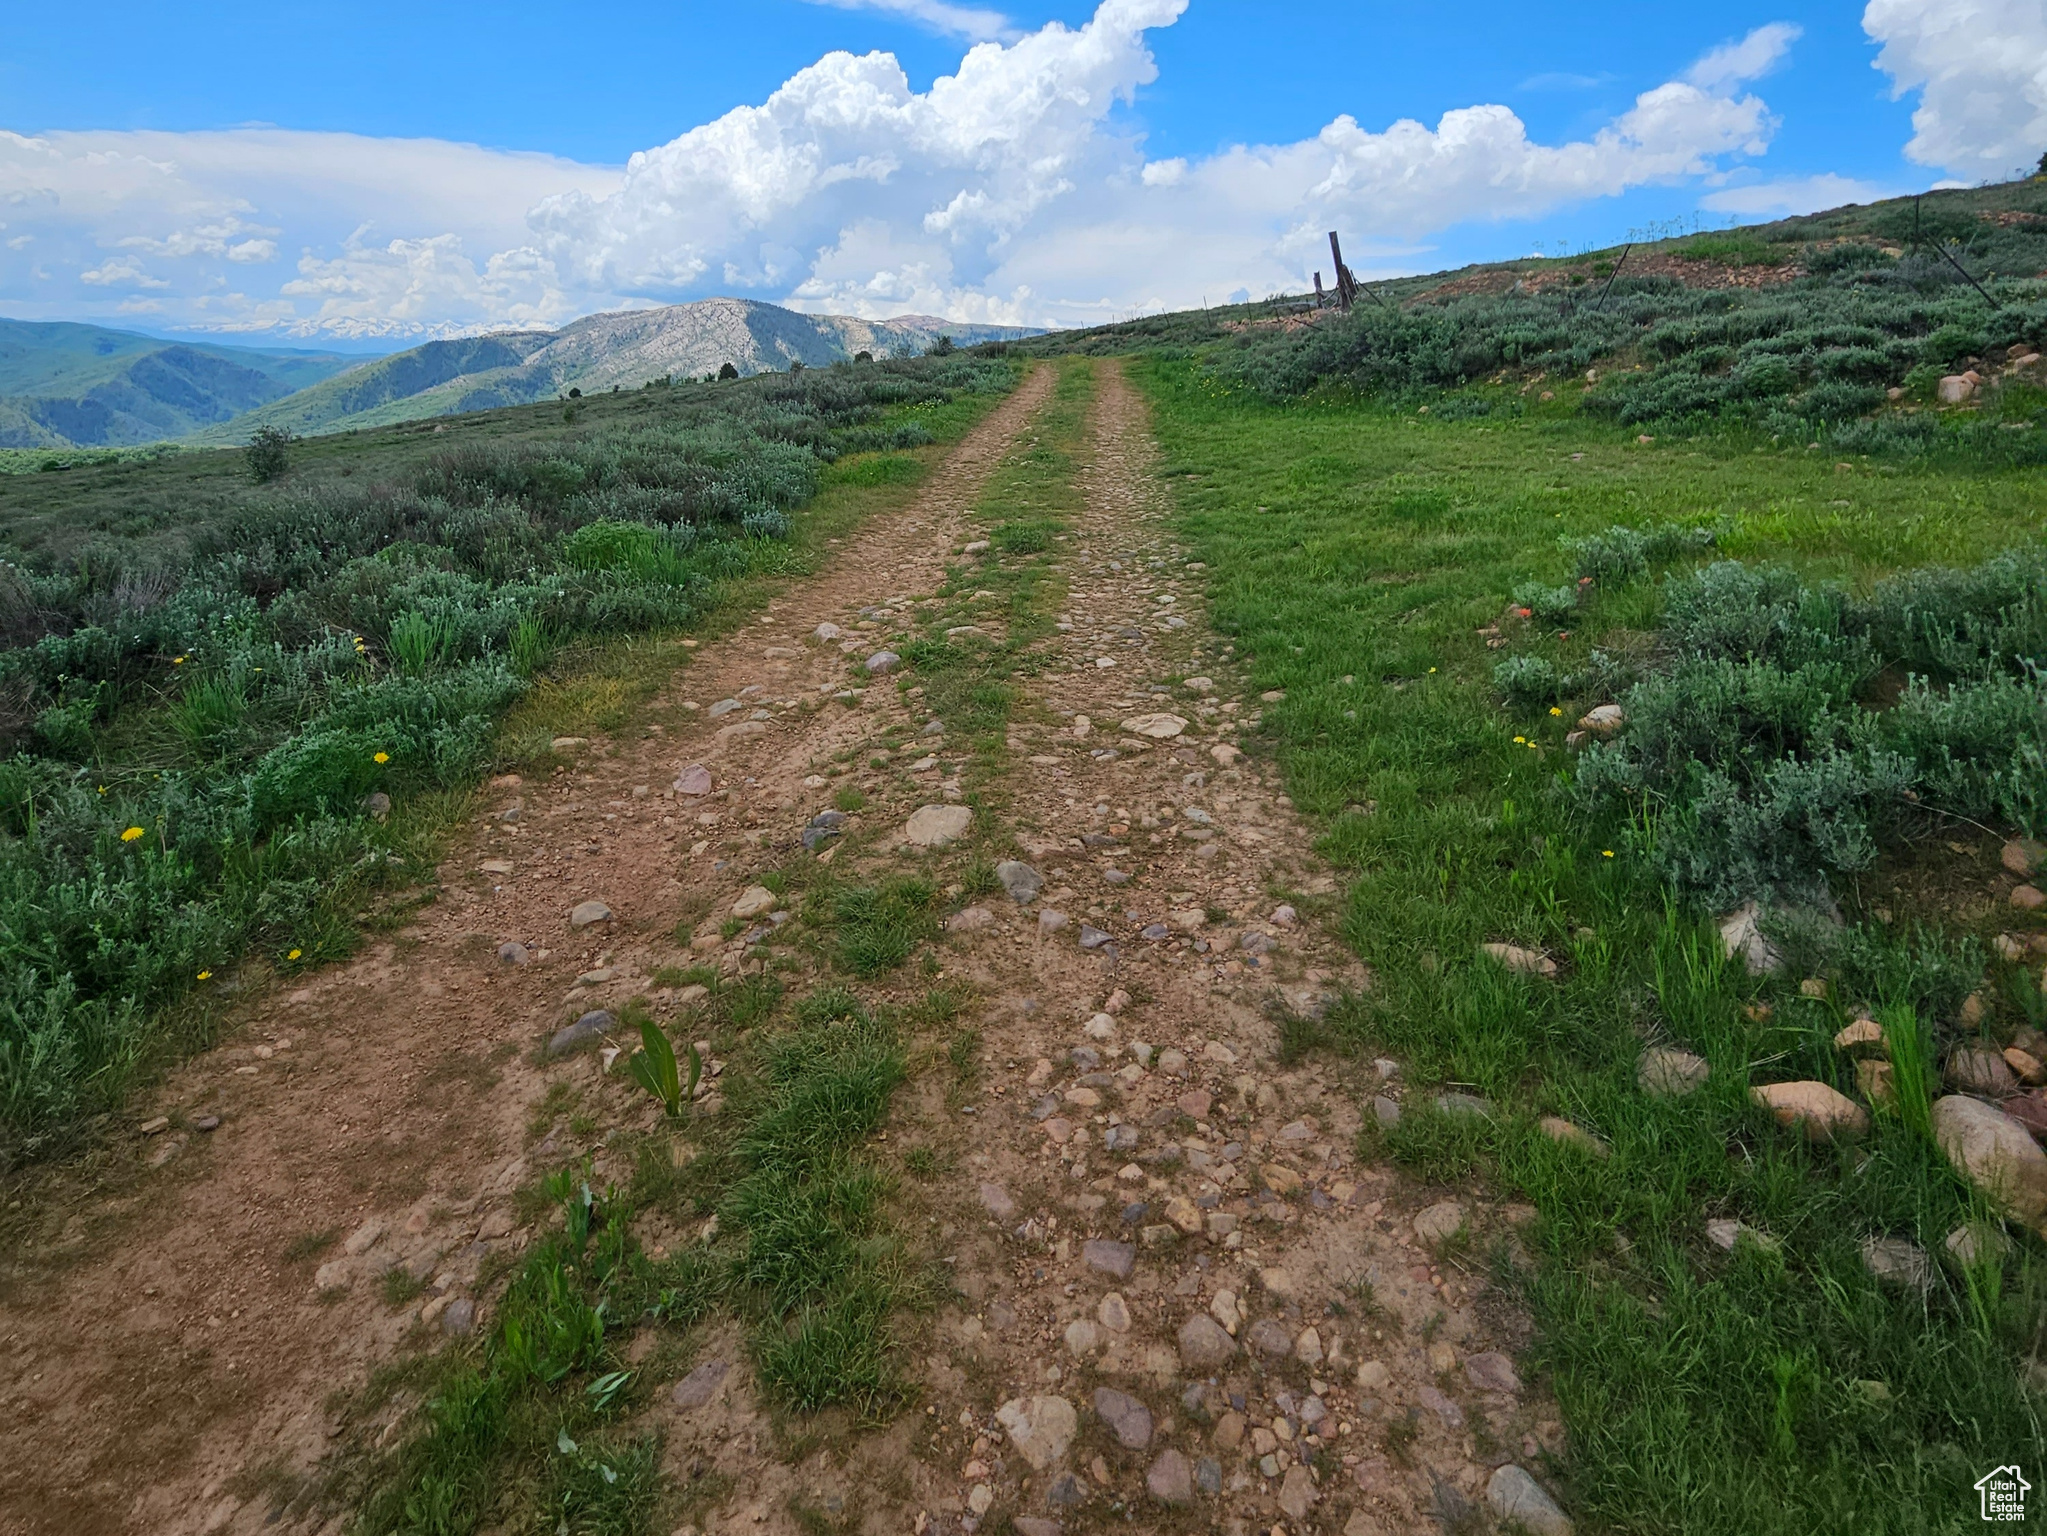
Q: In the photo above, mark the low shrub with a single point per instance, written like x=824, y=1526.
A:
x=1764, y=757
x=321, y=642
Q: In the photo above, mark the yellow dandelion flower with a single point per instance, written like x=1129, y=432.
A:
x=131, y=834
x=206, y=975
x=1606, y=853
x=177, y=661
x=381, y=757
x=1520, y=741
x=294, y=954
x=1554, y=710
x=1432, y=669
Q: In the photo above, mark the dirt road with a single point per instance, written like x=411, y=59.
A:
x=1177, y=1290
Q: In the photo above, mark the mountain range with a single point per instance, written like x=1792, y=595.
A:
x=67, y=385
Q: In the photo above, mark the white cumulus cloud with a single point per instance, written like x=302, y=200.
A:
x=1015, y=189
x=1794, y=195
x=1980, y=68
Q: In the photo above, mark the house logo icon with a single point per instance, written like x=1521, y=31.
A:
x=2003, y=1493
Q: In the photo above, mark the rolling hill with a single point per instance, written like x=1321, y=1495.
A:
x=65, y=385
x=623, y=349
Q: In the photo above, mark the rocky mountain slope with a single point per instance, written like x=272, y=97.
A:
x=623, y=350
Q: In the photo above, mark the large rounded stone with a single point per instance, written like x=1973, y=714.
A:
x=936, y=826
x=1816, y=1108
x=1517, y=1497
x=588, y=912
x=1994, y=1152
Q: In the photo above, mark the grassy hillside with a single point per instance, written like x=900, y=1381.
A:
x=596, y=355
x=82, y=385
x=1833, y=330
x=203, y=680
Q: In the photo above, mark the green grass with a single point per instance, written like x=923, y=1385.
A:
x=1704, y=1392
x=877, y=927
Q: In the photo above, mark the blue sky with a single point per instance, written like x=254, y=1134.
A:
x=395, y=231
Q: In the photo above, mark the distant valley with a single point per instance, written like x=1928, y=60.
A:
x=72, y=386
x=84, y=386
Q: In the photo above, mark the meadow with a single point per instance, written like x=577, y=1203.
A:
x=1440, y=601
x=238, y=715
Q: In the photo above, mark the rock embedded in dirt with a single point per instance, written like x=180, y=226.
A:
x=1035, y=1525
x=1109, y=1257
x=2028, y=898
x=1114, y=1313
x=694, y=781
x=1204, y=1346
x=1041, y=1428
x=1440, y=1222
x=937, y=826
x=1170, y=1479
x=377, y=805
x=1667, y=1073
x=1269, y=1337
x=1156, y=727
x=513, y=953
x=970, y=920
x=881, y=663
x=1859, y=1034
x=1814, y=1107
x=1126, y=1417
x=753, y=901
x=1492, y=1372
x=334, y=1275
x=1995, y=1153
x=1522, y=962
x=1022, y=882
x=997, y=1202
x=1092, y=938
x=1298, y=1494
x=587, y=913
x=1517, y=1497
x=459, y=1320
x=1386, y=1112
x=592, y=1026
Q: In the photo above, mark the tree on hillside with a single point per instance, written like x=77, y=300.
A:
x=728, y=372
x=268, y=454
x=942, y=347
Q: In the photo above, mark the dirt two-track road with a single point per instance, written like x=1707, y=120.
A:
x=1181, y=1301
